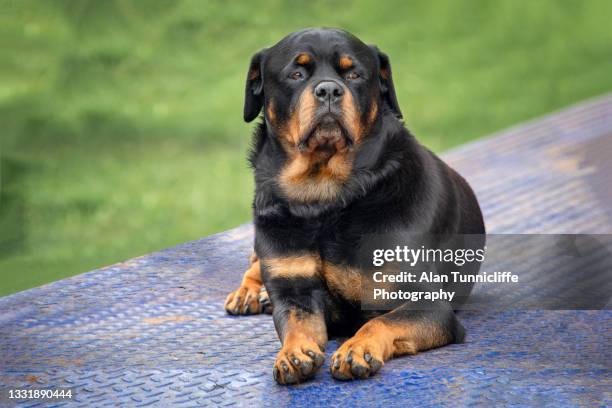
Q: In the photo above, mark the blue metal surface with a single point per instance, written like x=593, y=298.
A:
x=152, y=330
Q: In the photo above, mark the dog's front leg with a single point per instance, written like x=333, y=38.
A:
x=404, y=330
x=297, y=295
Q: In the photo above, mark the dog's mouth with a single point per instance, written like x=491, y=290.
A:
x=327, y=136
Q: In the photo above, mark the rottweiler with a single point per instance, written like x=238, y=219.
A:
x=333, y=163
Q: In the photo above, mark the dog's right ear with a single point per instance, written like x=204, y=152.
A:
x=253, y=93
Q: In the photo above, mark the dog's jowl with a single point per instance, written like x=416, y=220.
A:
x=334, y=163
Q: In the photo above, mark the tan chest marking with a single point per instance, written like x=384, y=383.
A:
x=300, y=183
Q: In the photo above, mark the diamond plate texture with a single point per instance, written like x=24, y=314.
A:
x=152, y=331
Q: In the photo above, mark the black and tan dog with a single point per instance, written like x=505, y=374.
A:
x=333, y=163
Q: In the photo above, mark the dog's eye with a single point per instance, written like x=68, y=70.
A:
x=296, y=75
x=352, y=75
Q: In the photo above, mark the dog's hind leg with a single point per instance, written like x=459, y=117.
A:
x=251, y=297
x=404, y=330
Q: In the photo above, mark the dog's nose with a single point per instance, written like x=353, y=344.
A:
x=328, y=91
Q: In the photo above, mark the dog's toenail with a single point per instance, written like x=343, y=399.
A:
x=275, y=374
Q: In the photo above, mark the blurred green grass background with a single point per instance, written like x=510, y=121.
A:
x=121, y=121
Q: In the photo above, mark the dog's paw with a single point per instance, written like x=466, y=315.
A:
x=245, y=300
x=297, y=361
x=358, y=357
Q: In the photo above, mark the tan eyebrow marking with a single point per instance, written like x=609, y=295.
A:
x=303, y=59
x=345, y=62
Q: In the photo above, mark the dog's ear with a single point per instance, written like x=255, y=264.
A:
x=253, y=93
x=386, y=81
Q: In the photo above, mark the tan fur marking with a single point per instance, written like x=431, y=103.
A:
x=338, y=168
x=297, y=179
x=345, y=62
x=381, y=339
x=300, y=119
x=252, y=276
x=305, y=112
x=303, y=59
x=302, y=266
x=311, y=190
x=385, y=73
x=254, y=74
x=351, y=117
x=396, y=338
x=343, y=280
x=298, y=184
x=373, y=113
x=304, y=337
x=245, y=299
x=310, y=325
x=270, y=112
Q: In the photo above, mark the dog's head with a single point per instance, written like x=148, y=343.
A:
x=321, y=90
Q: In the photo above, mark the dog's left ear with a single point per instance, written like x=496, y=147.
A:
x=386, y=81
x=253, y=93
